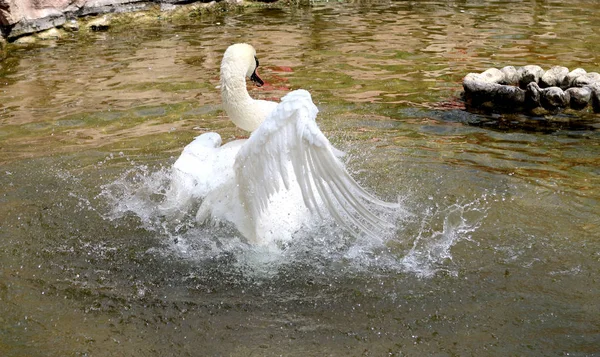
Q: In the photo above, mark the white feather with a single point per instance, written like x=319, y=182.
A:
x=290, y=137
x=274, y=183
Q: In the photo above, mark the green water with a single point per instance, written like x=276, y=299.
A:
x=497, y=254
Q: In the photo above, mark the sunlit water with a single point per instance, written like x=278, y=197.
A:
x=496, y=250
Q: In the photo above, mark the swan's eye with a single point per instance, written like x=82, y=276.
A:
x=256, y=59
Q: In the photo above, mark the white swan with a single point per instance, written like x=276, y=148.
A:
x=273, y=183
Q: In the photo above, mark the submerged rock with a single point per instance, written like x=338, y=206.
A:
x=26, y=40
x=100, y=24
x=71, y=25
x=50, y=34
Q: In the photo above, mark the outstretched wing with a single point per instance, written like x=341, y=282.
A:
x=291, y=135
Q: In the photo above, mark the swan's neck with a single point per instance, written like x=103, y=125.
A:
x=244, y=111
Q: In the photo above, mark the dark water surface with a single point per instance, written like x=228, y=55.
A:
x=497, y=252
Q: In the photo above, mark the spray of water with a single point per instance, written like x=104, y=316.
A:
x=421, y=244
x=441, y=228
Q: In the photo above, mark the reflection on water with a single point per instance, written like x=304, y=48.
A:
x=496, y=251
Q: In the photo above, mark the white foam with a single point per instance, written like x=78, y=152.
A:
x=421, y=245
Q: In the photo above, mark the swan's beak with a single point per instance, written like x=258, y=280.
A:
x=256, y=79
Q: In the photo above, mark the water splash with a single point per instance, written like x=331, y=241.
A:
x=421, y=245
x=440, y=229
x=139, y=191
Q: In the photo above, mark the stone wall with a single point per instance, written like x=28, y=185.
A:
x=530, y=87
x=21, y=17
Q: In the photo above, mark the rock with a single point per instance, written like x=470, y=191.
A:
x=533, y=94
x=472, y=83
x=21, y=17
x=478, y=91
x=528, y=74
x=511, y=76
x=586, y=79
x=71, y=25
x=25, y=40
x=508, y=96
x=554, y=98
x=595, y=97
x=580, y=97
x=471, y=77
x=50, y=34
x=101, y=23
x=557, y=89
x=27, y=26
x=492, y=75
x=167, y=7
x=571, y=76
x=554, y=76
x=95, y=7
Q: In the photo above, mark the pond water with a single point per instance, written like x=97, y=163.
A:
x=495, y=253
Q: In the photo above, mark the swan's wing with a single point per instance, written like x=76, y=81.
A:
x=290, y=134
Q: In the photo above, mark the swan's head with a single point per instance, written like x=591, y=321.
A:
x=241, y=57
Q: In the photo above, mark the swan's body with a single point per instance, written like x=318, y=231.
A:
x=270, y=185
